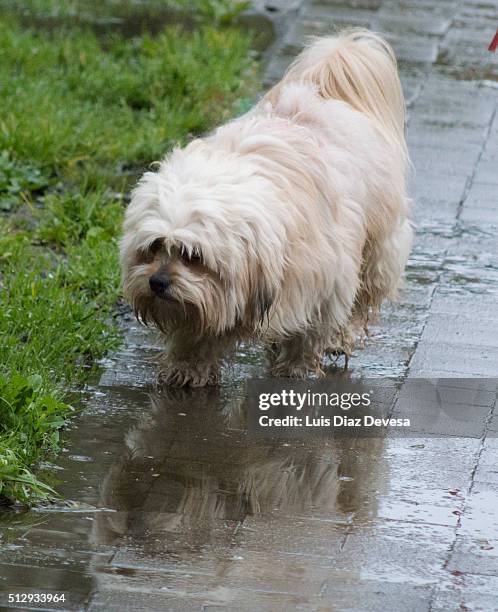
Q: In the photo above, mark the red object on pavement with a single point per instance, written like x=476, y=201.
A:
x=494, y=43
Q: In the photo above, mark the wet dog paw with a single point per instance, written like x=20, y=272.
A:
x=296, y=370
x=188, y=375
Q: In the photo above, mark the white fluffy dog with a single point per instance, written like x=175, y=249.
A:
x=289, y=224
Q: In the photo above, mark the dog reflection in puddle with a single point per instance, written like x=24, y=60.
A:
x=191, y=468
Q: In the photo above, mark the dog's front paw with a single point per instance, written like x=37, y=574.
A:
x=296, y=370
x=186, y=374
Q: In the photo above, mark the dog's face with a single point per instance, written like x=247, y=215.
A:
x=191, y=256
x=171, y=285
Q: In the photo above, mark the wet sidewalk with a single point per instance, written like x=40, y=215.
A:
x=174, y=507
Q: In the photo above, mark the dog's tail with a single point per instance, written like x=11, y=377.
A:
x=358, y=67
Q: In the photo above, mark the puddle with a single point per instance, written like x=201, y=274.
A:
x=176, y=486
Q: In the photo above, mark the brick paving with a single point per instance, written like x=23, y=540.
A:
x=172, y=511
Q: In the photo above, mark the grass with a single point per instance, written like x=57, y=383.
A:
x=82, y=116
x=215, y=12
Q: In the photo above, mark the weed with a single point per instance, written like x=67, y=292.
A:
x=18, y=181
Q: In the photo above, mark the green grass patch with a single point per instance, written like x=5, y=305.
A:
x=82, y=115
x=17, y=181
x=78, y=111
x=215, y=12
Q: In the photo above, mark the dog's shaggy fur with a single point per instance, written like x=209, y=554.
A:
x=289, y=224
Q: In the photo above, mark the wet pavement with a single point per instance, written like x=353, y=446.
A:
x=172, y=506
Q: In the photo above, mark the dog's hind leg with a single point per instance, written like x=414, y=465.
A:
x=298, y=356
x=342, y=343
x=192, y=362
x=383, y=265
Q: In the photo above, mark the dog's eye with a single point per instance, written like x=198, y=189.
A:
x=192, y=257
x=156, y=246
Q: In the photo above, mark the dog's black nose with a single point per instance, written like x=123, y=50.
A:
x=159, y=284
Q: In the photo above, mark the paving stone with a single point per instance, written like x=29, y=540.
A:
x=478, y=520
x=377, y=596
x=468, y=46
x=474, y=556
x=75, y=585
x=463, y=303
x=458, y=101
x=51, y=556
x=479, y=10
x=333, y=5
x=420, y=22
x=429, y=419
x=466, y=592
x=445, y=464
x=475, y=248
x=268, y=571
x=318, y=538
x=487, y=172
x=418, y=50
x=418, y=511
x=440, y=133
x=458, y=329
x=217, y=599
x=449, y=360
x=112, y=601
x=320, y=16
x=443, y=166
x=487, y=473
x=412, y=8
x=480, y=216
x=398, y=551
x=465, y=159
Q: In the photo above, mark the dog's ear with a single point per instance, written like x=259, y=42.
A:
x=259, y=306
x=261, y=295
